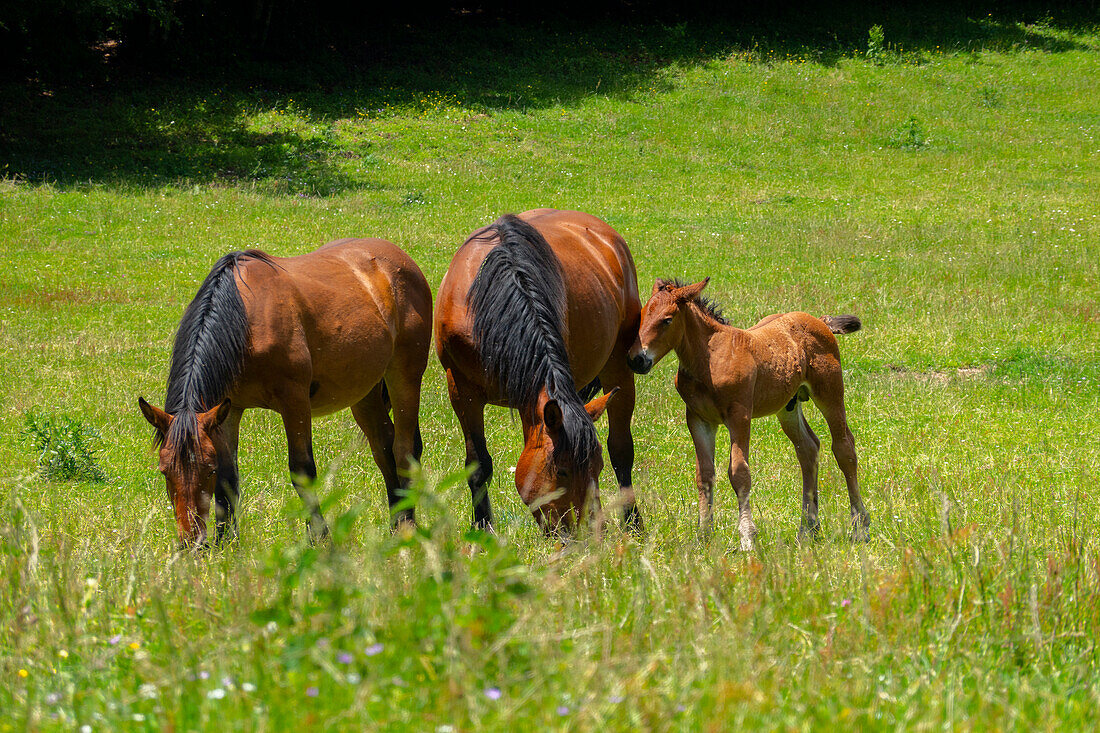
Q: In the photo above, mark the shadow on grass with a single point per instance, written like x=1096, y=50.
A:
x=127, y=127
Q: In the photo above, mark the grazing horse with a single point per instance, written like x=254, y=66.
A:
x=345, y=326
x=532, y=308
x=729, y=376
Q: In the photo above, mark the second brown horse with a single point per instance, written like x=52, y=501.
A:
x=533, y=308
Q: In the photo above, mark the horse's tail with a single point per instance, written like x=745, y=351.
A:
x=518, y=305
x=210, y=346
x=842, y=324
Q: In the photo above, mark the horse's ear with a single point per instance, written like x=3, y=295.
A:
x=216, y=416
x=553, y=419
x=688, y=292
x=157, y=417
x=657, y=285
x=596, y=407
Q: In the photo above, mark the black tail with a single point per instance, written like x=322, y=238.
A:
x=842, y=324
x=518, y=305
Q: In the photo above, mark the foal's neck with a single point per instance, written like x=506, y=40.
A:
x=694, y=349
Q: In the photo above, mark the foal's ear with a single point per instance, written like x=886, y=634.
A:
x=553, y=419
x=688, y=292
x=213, y=418
x=596, y=407
x=658, y=285
x=157, y=417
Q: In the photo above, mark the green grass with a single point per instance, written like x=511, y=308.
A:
x=944, y=191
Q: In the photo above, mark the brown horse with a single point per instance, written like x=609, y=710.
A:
x=345, y=326
x=532, y=307
x=728, y=376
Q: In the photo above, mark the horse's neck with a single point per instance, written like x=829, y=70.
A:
x=695, y=349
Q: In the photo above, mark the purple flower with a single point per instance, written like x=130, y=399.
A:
x=344, y=658
x=493, y=693
x=680, y=708
x=373, y=649
x=204, y=675
x=562, y=710
x=846, y=602
x=115, y=639
x=312, y=691
x=322, y=643
x=616, y=699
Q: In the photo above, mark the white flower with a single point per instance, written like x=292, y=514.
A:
x=216, y=694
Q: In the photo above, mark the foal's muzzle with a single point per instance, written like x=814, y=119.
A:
x=641, y=363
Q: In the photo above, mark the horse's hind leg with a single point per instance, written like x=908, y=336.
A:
x=303, y=470
x=372, y=415
x=403, y=384
x=806, y=447
x=469, y=405
x=620, y=441
x=227, y=492
x=738, y=425
x=829, y=398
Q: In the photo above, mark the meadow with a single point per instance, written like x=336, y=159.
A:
x=938, y=179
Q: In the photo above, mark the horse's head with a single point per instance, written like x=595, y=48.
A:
x=188, y=457
x=662, y=327
x=557, y=480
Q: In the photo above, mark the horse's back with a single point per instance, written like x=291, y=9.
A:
x=335, y=317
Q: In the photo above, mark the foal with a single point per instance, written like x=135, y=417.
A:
x=730, y=376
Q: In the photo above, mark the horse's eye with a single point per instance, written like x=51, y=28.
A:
x=666, y=321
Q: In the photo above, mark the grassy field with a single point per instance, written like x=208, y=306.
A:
x=943, y=187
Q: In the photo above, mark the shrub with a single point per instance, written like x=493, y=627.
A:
x=68, y=450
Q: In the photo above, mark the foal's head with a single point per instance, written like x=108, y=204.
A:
x=188, y=457
x=555, y=476
x=662, y=325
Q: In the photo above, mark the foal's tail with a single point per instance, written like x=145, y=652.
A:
x=842, y=324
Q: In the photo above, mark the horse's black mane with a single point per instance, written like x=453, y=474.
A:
x=518, y=305
x=709, y=307
x=208, y=353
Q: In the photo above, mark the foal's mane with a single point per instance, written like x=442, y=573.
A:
x=208, y=353
x=707, y=305
x=518, y=305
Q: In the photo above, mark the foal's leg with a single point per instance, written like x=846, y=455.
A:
x=297, y=421
x=469, y=405
x=702, y=436
x=806, y=446
x=227, y=491
x=372, y=415
x=738, y=426
x=620, y=441
x=831, y=404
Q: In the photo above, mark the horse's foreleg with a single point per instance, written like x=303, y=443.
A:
x=702, y=436
x=738, y=427
x=806, y=447
x=227, y=491
x=469, y=407
x=303, y=471
x=620, y=441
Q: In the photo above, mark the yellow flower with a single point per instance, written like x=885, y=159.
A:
x=135, y=645
x=63, y=654
x=23, y=673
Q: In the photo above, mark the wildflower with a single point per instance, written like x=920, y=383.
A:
x=216, y=694
x=63, y=654
x=344, y=658
x=53, y=698
x=115, y=639
x=493, y=693
x=248, y=687
x=85, y=728
x=204, y=675
x=562, y=710
x=148, y=691
x=616, y=699
x=24, y=673
x=373, y=649
x=846, y=602
x=353, y=679
x=138, y=717
x=135, y=645
x=312, y=691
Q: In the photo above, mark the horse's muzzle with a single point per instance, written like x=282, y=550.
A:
x=641, y=363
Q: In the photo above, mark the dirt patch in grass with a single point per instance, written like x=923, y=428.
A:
x=940, y=376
